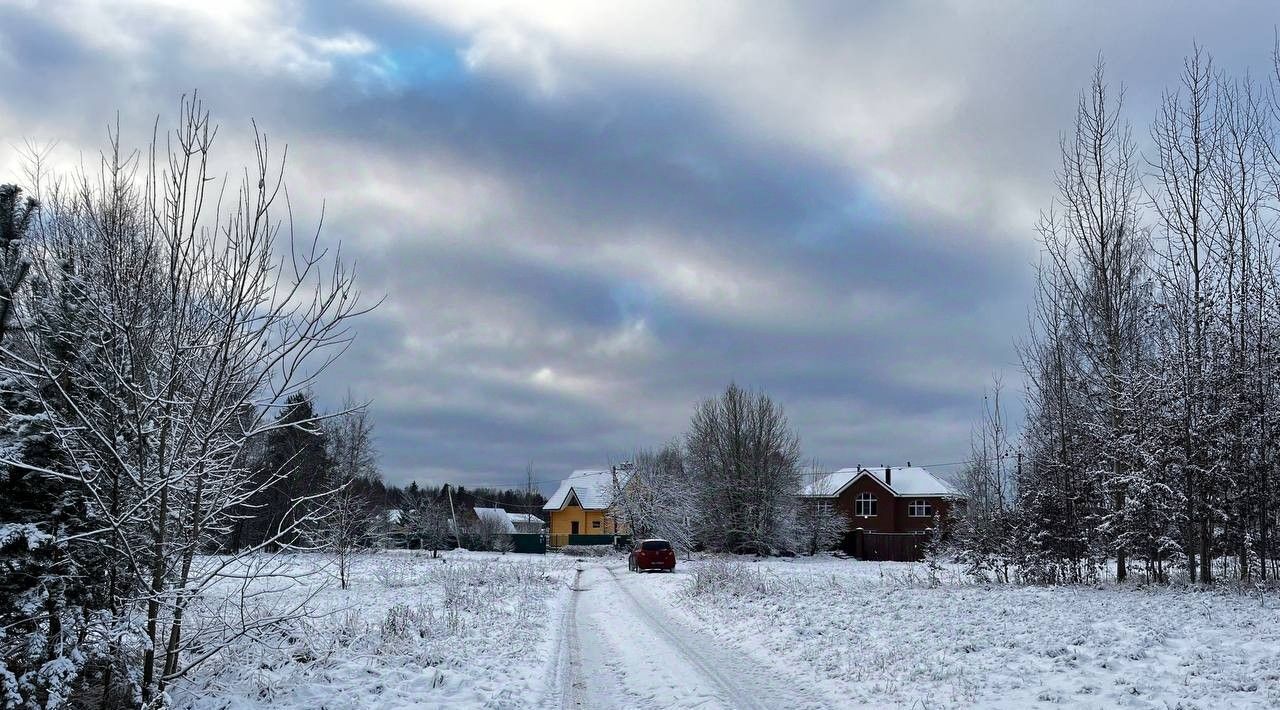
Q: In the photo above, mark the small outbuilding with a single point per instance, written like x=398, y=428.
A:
x=525, y=522
x=497, y=519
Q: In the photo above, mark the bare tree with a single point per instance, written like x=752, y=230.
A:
x=196, y=316
x=988, y=477
x=352, y=522
x=1096, y=251
x=490, y=533
x=744, y=457
x=821, y=525
x=660, y=498
x=987, y=482
x=426, y=519
x=1150, y=429
x=1185, y=133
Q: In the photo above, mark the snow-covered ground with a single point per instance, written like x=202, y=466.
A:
x=514, y=631
x=465, y=630
x=879, y=635
x=625, y=648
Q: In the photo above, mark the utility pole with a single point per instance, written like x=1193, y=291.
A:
x=453, y=515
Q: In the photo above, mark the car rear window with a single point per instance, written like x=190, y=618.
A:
x=651, y=545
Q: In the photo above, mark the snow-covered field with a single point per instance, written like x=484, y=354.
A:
x=880, y=635
x=517, y=631
x=465, y=630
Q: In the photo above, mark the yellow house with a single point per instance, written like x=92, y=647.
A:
x=581, y=506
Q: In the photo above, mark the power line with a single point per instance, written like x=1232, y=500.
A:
x=504, y=504
x=505, y=486
x=515, y=485
x=923, y=465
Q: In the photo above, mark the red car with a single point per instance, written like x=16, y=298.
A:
x=651, y=554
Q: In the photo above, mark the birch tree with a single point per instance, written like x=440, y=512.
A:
x=354, y=516
x=1096, y=251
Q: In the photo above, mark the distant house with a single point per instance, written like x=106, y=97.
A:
x=526, y=522
x=508, y=523
x=580, y=506
x=396, y=533
x=496, y=519
x=896, y=500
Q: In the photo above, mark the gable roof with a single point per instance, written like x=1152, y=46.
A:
x=592, y=487
x=907, y=481
x=497, y=516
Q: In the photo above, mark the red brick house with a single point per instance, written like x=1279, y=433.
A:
x=889, y=509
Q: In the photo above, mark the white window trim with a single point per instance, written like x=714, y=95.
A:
x=869, y=498
x=917, y=504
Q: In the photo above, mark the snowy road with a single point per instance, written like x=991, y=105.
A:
x=620, y=647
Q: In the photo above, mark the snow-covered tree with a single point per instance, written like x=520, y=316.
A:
x=16, y=216
x=427, y=521
x=1151, y=373
x=745, y=461
x=988, y=481
x=192, y=327
x=659, y=498
x=353, y=521
x=54, y=581
x=820, y=524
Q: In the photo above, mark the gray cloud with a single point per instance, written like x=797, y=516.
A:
x=585, y=221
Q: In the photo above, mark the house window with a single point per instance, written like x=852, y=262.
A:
x=920, y=509
x=595, y=523
x=865, y=505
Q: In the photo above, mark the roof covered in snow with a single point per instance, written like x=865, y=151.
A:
x=905, y=481
x=592, y=487
x=524, y=518
x=498, y=517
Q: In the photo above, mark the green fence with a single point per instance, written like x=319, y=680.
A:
x=562, y=539
x=529, y=543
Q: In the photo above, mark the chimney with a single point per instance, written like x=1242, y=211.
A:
x=888, y=476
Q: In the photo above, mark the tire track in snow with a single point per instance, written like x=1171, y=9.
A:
x=570, y=651
x=708, y=661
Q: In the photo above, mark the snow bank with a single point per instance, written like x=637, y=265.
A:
x=465, y=630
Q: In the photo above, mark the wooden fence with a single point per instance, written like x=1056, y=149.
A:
x=895, y=547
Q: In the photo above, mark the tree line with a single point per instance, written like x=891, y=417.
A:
x=1151, y=364
x=443, y=517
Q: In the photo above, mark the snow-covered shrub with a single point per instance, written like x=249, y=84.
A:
x=732, y=578
x=404, y=622
x=408, y=625
x=587, y=550
x=397, y=571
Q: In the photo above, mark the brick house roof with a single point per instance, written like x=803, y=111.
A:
x=904, y=481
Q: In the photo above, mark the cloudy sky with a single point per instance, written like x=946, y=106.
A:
x=587, y=216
